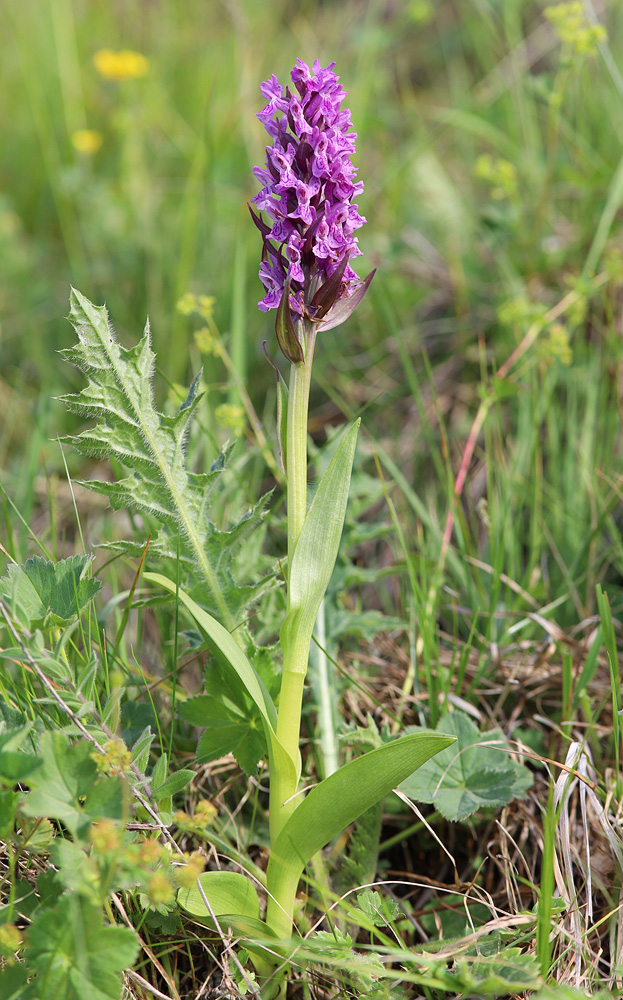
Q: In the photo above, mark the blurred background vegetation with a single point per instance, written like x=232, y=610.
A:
x=493, y=170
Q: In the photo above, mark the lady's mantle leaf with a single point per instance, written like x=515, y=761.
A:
x=78, y=958
x=67, y=786
x=467, y=776
x=227, y=730
x=43, y=594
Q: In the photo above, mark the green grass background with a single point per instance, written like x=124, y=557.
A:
x=463, y=268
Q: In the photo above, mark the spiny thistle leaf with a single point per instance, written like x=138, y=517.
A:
x=151, y=446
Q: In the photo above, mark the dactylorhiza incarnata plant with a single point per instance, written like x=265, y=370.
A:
x=308, y=197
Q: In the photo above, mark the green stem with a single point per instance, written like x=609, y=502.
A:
x=296, y=447
x=283, y=787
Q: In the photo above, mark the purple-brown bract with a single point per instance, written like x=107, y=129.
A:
x=308, y=196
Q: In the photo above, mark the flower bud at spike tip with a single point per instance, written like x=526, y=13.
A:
x=308, y=196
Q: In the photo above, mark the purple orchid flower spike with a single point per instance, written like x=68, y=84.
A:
x=308, y=191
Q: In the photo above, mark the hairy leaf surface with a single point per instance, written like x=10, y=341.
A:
x=151, y=448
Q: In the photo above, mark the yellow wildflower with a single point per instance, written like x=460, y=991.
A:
x=207, y=343
x=86, y=140
x=116, y=759
x=123, y=65
x=187, y=875
x=159, y=889
x=206, y=306
x=187, y=304
x=206, y=811
x=150, y=852
x=105, y=837
x=231, y=415
x=556, y=346
x=574, y=28
x=501, y=174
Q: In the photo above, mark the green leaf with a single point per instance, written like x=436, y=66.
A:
x=76, y=956
x=43, y=594
x=220, y=738
x=468, y=777
x=235, y=904
x=227, y=893
x=151, y=447
x=224, y=647
x=508, y=971
x=160, y=771
x=338, y=800
x=333, y=949
x=365, y=624
x=561, y=991
x=15, y=764
x=228, y=729
x=317, y=547
x=13, y=983
x=67, y=786
x=141, y=748
x=287, y=336
x=379, y=909
x=231, y=658
x=9, y=801
x=173, y=784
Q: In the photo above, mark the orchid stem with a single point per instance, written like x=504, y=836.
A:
x=283, y=787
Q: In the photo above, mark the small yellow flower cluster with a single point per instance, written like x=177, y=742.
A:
x=521, y=312
x=105, y=837
x=86, y=141
x=204, y=815
x=574, y=28
x=151, y=851
x=556, y=347
x=583, y=286
x=116, y=759
x=500, y=174
x=207, y=342
x=421, y=11
x=159, y=890
x=201, y=304
x=124, y=65
x=232, y=416
x=186, y=875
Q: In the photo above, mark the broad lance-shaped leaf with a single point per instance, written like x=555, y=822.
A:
x=227, y=892
x=337, y=801
x=235, y=904
x=317, y=548
x=231, y=657
x=48, y=595
x=150, y=445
